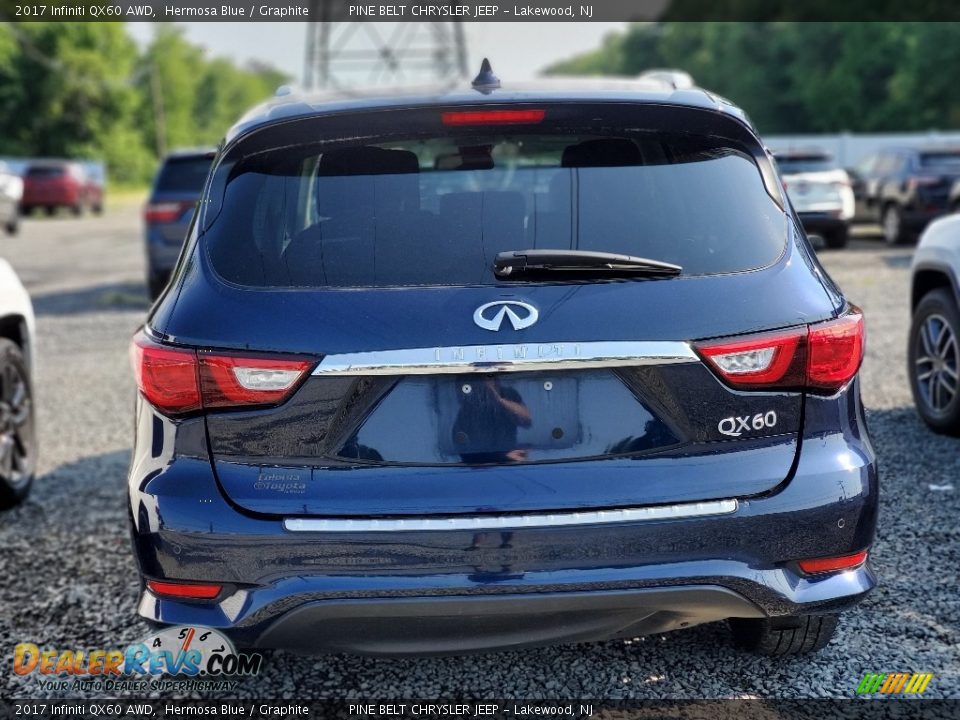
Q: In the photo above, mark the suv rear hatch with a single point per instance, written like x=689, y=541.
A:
x=433, y=386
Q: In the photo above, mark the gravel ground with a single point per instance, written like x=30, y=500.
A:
x=68, y=577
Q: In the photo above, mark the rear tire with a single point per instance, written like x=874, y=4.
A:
x=934, y=361
x=77, y=209
x=778, y=636
x=18, y=444
x=50, y=210
x=894, y=232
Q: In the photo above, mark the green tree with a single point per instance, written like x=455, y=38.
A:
x=227, y=91
x=83, y=90
x=803, y=76
x=190, y=101
x=66, y=87
x=172, y=69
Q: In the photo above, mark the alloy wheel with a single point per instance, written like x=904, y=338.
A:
x=15, y=431
x=891, y=225
x=937, y=364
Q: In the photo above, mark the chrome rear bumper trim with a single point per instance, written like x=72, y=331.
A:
x=501, y=522
x=523, y=357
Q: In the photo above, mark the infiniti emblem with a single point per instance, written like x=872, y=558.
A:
x=491, y=315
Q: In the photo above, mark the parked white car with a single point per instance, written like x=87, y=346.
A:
x=18, y=444
x=11, y=192
x=820, y=192
x=934, y=345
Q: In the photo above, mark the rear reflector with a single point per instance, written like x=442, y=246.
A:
x=178, y=381
x=188, y=591
x=493, y=117
x=822, y=357
x=832, y=564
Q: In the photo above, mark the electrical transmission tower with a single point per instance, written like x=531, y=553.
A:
x=352, y=55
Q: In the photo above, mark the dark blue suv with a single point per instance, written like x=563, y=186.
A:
x=481, y=370
x=173, y=198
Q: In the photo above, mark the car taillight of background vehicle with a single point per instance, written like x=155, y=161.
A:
x=166, y=211
x=923, y=181
x=179, y=381
x=822, y=357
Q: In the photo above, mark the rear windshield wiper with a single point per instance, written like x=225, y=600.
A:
x=579, y=263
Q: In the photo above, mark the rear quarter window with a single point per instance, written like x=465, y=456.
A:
x=46, y=171
x=436, y=208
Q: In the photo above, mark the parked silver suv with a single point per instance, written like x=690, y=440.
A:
x=934, y=345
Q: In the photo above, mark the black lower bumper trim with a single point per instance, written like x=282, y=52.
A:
x=457, y=625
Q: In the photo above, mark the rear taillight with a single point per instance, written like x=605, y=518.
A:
x=822, y=357
x=834, y=352
x=165, y=211
x=226, y=381
x=179, y=381
x=918, y=181
x=166, y=376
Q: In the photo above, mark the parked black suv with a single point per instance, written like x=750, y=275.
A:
x=903, y=189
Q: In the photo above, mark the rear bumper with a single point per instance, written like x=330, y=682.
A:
x=461, y=590
x=50, y=198
x=297, y=615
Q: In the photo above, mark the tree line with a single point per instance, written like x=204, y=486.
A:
x=803, y=77
x=87, y=91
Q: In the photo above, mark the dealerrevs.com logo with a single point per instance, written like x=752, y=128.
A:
x=183, y=657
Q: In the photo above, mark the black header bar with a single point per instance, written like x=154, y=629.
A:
x=476, y=10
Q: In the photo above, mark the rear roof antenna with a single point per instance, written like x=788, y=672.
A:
x=485, y=81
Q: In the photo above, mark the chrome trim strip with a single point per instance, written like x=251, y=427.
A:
x=521, y=357
x=499, y=522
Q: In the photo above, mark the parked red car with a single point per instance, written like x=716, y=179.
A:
x=54, y=184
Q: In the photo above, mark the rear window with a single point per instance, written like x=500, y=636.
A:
x=946, y=160
x=436, y=209
x=794, y=164
x=184, y=174
x=46, y=171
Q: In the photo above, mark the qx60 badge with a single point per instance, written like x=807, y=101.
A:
x=738, y=425
x=491, y=316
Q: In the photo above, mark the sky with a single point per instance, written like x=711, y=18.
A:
x=518, y=51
